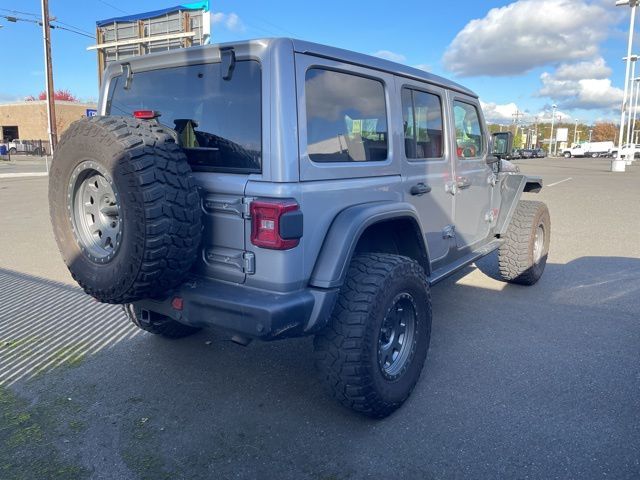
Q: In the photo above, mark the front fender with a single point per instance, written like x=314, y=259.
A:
x=345, y=231
x=511, y=188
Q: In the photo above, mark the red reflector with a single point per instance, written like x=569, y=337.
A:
x=265, y=224
x=177, y=303
x=146, y=114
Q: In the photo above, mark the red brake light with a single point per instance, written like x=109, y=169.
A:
x=146, y=114
x=177, y=303
x=266, y=222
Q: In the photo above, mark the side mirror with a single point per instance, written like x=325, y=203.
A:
x=501, y=144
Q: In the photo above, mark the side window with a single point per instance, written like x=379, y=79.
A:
x=423, y=131
x=469, y=136
x=346, y=117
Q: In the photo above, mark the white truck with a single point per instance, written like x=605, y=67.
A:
x=588, y=149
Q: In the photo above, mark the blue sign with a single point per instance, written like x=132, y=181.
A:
x=91, y=112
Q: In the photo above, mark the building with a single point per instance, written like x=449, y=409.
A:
x=181, y=26
x=28, y=120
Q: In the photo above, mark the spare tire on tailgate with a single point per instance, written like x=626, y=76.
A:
x=124, y=207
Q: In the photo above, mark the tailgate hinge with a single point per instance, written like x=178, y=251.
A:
x=249, y=263
x=246, y=206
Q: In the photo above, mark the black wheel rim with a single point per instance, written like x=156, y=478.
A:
x=396, y=337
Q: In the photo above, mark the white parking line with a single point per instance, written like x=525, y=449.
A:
x=23, y=174
x=561, y=181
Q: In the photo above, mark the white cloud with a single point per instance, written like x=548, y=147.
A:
x=388, y=55
x=526, y=34
x=596, y=68
x=231, y=21
x=495, y=113
x=595, y=94
x=582, y=85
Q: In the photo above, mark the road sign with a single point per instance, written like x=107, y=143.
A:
x=91, y=112
x=562, y=135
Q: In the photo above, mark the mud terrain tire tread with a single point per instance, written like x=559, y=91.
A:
x=343, y=348
x=162, y=202
x=515, y=255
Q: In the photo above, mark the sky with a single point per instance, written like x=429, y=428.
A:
x=523, y=55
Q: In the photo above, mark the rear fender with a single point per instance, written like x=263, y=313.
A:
x=345, y=232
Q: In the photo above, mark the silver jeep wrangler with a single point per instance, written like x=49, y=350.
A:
x=279, y=188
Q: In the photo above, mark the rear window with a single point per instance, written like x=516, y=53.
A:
x=346, y=117
x=218, y=121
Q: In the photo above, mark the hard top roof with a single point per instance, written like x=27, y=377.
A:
x=301, y=46
x=370, y=61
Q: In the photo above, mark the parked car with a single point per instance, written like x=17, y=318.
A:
x=626, y=151
x=25, y=147
x=514, y=155
x=280, y=188
x=588, y=149
x=526, y=153
x=539, y=153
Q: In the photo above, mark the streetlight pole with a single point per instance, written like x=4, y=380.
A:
x=553, y=119
x=575, y=132
x=634, y=59
x=630, y=159
x=619, y=165
x=590, y=134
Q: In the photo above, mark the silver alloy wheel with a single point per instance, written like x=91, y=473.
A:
x=396, y=338
x=538, y=244
x=94, y=211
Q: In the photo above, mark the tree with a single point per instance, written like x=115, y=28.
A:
x=58, y=95
x=604, y=132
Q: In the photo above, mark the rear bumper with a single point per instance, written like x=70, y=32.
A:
x=248, y=311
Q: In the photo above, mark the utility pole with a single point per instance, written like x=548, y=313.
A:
x=51, y=106
x=516, y=120
x=590, y=134
x=575, y=132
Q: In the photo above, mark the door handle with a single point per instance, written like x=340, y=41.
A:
x=463, y=182
x=420, y=189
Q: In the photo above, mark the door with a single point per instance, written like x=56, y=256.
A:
x=473, y=177
x=427, y=165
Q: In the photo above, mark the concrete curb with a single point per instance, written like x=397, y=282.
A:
x=23, y=175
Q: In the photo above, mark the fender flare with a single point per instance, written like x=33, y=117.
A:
x=344, y=233
x=511, y=189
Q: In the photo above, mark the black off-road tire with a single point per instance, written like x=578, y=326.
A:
x=347, y=349
x=159, y=208
x=516, y=256
x=158, y=324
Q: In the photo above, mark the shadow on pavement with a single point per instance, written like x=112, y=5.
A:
x=46, y=324
x=536, y=380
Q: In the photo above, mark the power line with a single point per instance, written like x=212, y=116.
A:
x=74, y=27
x=75, y=30
x=20, y=13
x=112, y=6
x=58, y=27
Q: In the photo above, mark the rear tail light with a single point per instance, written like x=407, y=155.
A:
x=146, y=114
x=276, y=224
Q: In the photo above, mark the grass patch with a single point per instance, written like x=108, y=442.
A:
x=26, y=451
x=140, y=454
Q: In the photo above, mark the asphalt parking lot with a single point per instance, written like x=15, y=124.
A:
x=535, y=382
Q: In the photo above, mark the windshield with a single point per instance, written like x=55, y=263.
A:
x=218, y=121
